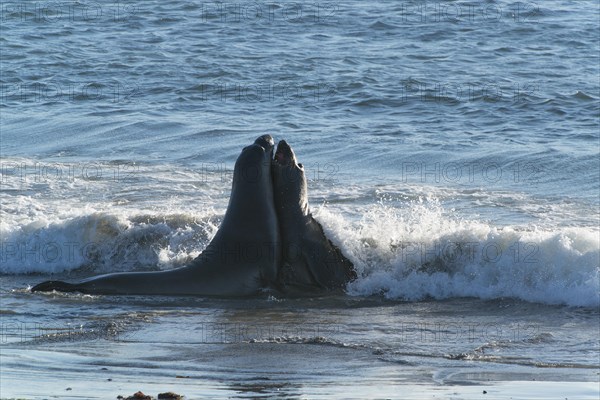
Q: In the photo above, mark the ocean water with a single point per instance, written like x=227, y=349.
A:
x=452, y=151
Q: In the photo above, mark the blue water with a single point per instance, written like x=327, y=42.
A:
x=452, y=148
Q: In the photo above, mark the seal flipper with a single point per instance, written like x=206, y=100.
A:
x=297, y=280
x=324, y=259
x=49, y=286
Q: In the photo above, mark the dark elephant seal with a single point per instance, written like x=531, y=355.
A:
x=242, y=258
x=311, y=263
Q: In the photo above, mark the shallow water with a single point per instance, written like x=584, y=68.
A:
x=297, y=348
x=452, y=154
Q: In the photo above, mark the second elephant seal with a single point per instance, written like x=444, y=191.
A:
x=311, y=263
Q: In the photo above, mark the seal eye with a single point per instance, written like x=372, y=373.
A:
x=301, y=166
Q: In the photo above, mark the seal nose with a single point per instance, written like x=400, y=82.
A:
x=284, y=154
x=266, y=142
x=283, y=146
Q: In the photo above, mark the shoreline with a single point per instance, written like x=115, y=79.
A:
x=261, y=388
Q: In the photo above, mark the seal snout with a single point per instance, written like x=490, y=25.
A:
x=284, y=154
x=266, y=142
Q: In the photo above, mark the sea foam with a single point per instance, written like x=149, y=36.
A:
x=421, y=252
x=408, y=252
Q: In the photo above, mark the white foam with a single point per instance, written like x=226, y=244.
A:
x=419, y=251
x=104, y=242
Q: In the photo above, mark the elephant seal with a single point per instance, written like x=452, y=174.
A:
x=311, y=263
x=242, y=258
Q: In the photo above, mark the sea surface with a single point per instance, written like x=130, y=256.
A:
x=452, y=153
